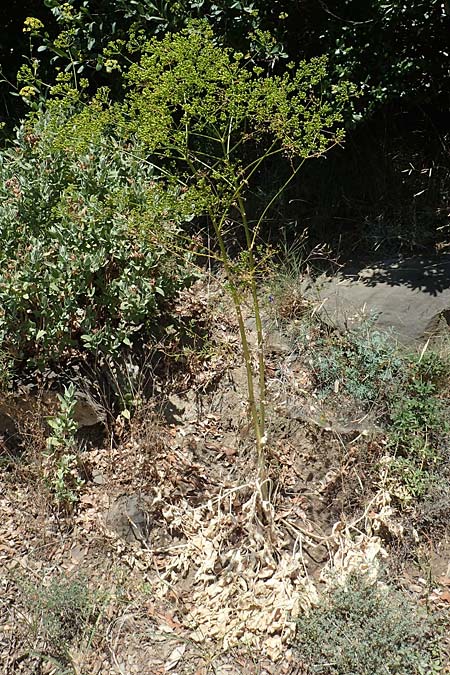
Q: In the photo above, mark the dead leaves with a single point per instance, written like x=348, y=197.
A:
x=239, y=592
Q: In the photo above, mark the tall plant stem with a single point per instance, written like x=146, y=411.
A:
x=254, y=412
x=258, y=321
x=257, y=420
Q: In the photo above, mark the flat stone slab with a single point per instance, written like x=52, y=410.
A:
x=409, y=297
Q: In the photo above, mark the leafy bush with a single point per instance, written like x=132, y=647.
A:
x=368, y=630
x=78, y=270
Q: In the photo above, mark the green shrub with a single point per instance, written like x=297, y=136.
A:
x=368, y=630
x=364, y=361
x=60, y=616
x=418, y=425
x=78, y=270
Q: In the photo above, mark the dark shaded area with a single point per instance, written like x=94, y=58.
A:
x=14, y=44
x=11, y=443
x=427, y=274
x=386, y=191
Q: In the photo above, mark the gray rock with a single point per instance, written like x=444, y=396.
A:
x=409, y=297
x=128, y=517
x=87, y=412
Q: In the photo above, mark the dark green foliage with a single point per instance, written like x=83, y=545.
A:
x=364, y=629
x=396, y=50
x=93, y=23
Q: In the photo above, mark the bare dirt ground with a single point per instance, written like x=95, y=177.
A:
x=186, y=568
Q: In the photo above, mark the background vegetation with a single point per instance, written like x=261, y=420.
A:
x=388, y=189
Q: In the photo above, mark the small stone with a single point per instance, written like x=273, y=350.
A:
x=98, y=478
x=415, y=588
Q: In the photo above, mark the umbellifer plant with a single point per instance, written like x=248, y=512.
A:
x=210, y=118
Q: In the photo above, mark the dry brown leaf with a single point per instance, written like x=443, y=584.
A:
x=77, y=554
x=174, y=658
x=169, y=620
x=445, y=596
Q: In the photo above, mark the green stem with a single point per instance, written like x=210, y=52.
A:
x=259, y=432
x=258, y=321
x=257, y=411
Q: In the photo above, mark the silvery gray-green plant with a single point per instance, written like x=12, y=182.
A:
x=63, y=471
